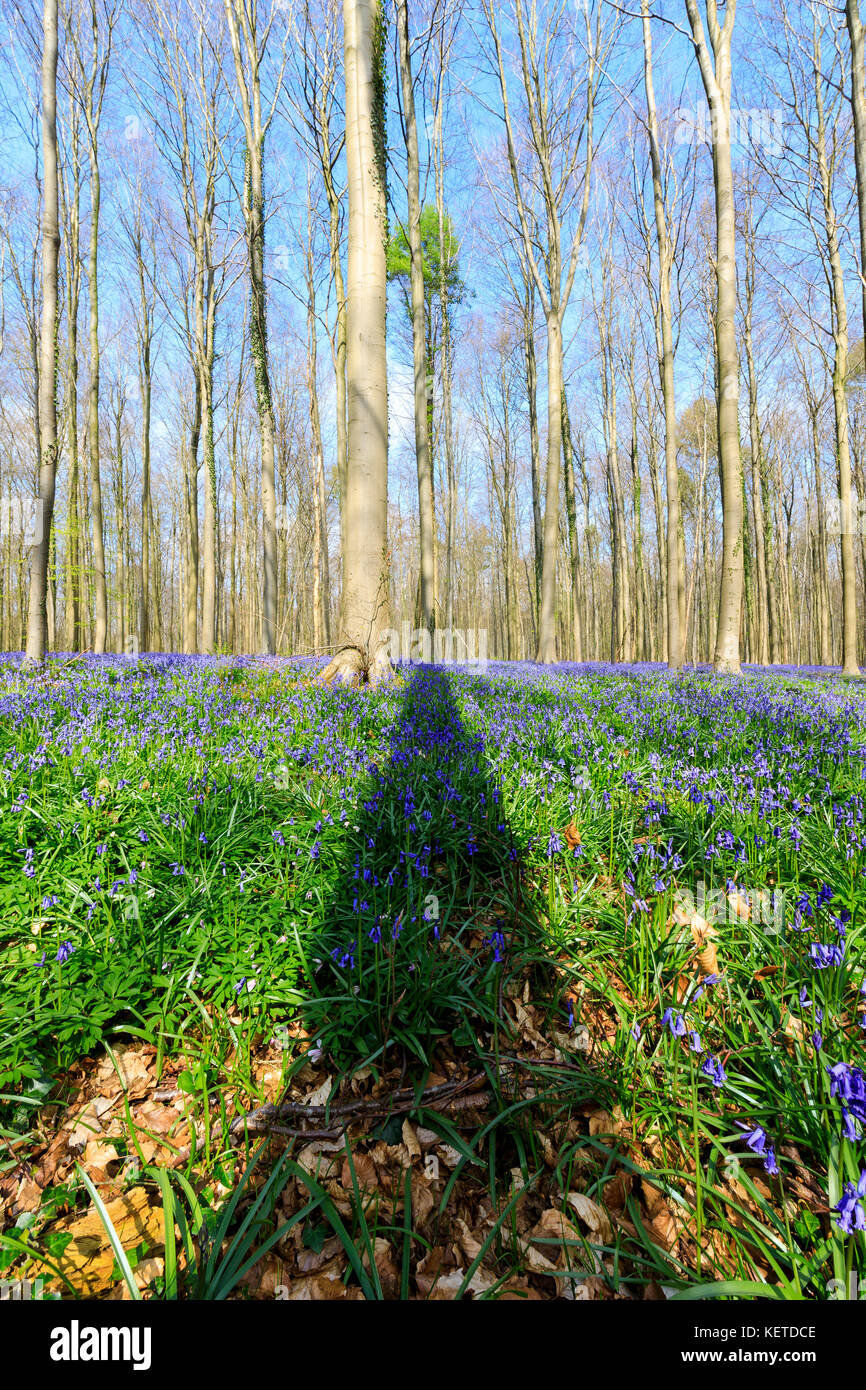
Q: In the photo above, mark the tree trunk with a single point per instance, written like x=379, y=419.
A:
x=100, y=593
x=675, y=580
x=716, y=75
x=422, y=402
x=36, y=616
x=364, y=610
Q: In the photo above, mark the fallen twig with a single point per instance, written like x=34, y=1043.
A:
x=267, y=1117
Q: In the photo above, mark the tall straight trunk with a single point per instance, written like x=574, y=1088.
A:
x=573, y=542
x=534, y=448
x=675, y=579
x=716, y=76
x=762, y=595
x=146, y=508
x=660, y=629
x=119, y=527
x=339, y=356
x=640, y=592
x=422, y=401
x=100, y=592
x=73, y=291
x=550, y=535
x=36, y=617
x=839, y=312
x=205, y=331
x=191, y=548
x=858, y=108
x=784, y=534
x=773, y=615
x=364, y=610
x=321, y=570
x=445, y=360
x=242, y=21
x=320, y=119
x=259, y=345
x=621, y=617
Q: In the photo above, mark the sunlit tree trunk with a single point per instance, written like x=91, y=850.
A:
x=364, y=610
x=72, y=211
x=675, y=578
x=36, y=618
x=716, y=75
x=248, y=46
x=423, y=456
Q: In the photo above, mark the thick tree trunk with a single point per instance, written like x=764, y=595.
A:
x=365, y=607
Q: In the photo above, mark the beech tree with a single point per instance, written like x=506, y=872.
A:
x=36, y=619
x=364, y=611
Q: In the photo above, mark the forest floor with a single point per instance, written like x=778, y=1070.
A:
x=519, y=983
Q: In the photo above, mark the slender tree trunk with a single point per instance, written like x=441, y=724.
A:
x=858, y=107
x=146, y=509
x=716, y=75
x=36, y=617
x=321, y=578
x=547, y=606
x=242, y=21
x=100, y=592
x=675, y=580
x=191, y=556
x=573, y=542
x=423, y=455
x=534, y=448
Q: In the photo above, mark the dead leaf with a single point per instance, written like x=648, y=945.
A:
x=88, y=1259
x=320, y=1095
x=572, y=836
x=410, y=1139
x=99, y=1154
x=592, y=1215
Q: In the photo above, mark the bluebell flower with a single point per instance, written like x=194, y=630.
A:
x=715, y=1071
x=852, y=1216
x=676, y=1023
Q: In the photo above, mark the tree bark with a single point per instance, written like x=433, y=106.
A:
x=716, y=75
x=36, y=617
x=423, y=455
x=365, y=608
